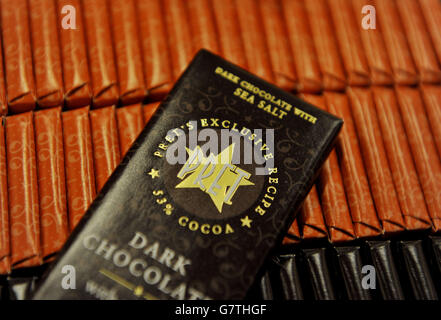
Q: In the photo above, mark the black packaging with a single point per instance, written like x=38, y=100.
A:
x=200, y=228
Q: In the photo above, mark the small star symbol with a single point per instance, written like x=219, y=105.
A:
x=246, y=222
x=248, y=118
x=154, y=173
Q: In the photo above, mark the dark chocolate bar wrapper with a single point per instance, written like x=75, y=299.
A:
x=373, y=46
x=289, y=276
x=150, y=234
x=302, y=46
x=106, y=154
x=51, y=180
x=158, y=75
x=436, y=246
x=349, y=260
x=253, y=38
x=46, y=53
x=375, y=159
x=358, y=193
x=348, y=37
x=407, y=185
x=417, y=270
x=422, y=145
x=432, y=103
x=203, y=28
x=328, y=55
x=319, y=274
x=385, y=270
x=179, y=35
x=16, y=42
x=330, y=183
x=277, y=40
x=77, y=86
x=5, y=249
x=130, y=123
x=227, y=23
x=395, y=41
x=431, y=10
x=78, y=156
x=24, y=215
x=419, y=41
x=265, y=286
x=100, y=51
x=127, y=51
x=3, y=99
x=311, y=217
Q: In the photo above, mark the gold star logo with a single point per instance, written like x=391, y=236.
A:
x=246, y=222
x=154, y=173
x=215, y=175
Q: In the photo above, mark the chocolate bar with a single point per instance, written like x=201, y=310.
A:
x=227, y=23
x=253, y=38
x=46, y=53
x=266, y=289
x=319, y=274
x=16, y=40
x=106, y=155
x=330, y=184
x=328, y=55
x=359, y=196
x=203, y=29
x=351, y=47
x=373, y=46
x=400, y=58
x=3, y=99
x=431, y=10
x=349, y=260
x=130, y=123
x=418, y=271
x=277, y=39
x=100, y=52
x=289, y=276
x=432, y=102
x=403, y=170
x=383, y=261
x=158, y=75
x=23, y=191
x=80, y=179
x=127, y=51
x=436, y=246
x=376, y=162
x=311, y=217
x=423, y=148
x=302, y=46
x=152, y=233
x=51, y=180
x=179, y=35
x=74, y=54
x=419, y=41
x=5, y=250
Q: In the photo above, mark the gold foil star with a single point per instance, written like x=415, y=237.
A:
x=154, y=173
x=246, y=222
